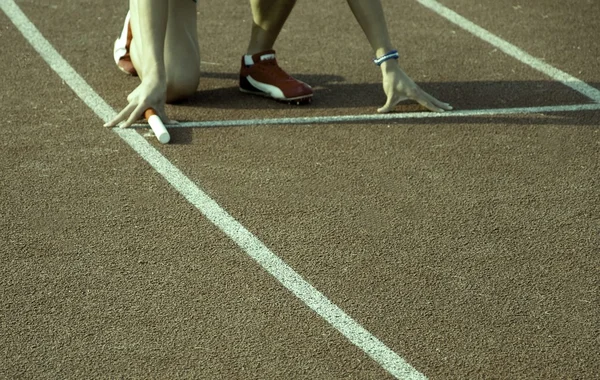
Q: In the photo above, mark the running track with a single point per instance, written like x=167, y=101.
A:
x=269, y=241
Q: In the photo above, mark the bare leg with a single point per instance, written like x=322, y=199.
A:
x=182, y=52
x=260, y=74
x=269, y=17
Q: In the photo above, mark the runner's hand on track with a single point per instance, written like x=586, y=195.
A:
x=398, y=87
x=149, y=94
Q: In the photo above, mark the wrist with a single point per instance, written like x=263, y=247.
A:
x=389, y=65
x=390, y=55
x=383, y=49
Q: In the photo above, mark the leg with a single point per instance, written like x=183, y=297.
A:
x=269, y=16
x=260, y=74
x=182, y=52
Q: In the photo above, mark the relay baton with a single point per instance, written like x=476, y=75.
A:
x=157, y=126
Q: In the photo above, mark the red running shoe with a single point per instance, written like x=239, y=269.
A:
x=265, y=77
x=121, y=49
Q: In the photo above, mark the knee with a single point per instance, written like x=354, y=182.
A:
x=182, y=85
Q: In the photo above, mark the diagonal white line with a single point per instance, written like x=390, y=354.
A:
x=56, y=61
x=510, y=49
x=335, y=316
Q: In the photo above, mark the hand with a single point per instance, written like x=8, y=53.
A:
x=149, y=94
x=398, y=87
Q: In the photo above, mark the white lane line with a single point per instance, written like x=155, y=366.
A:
x=335, y=316
x=383, y=117
x=510, y=49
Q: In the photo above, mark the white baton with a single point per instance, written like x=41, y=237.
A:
x=157, y=126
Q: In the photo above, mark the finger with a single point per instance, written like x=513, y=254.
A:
x=437, y=103
x=134, y=116
x=120, y=116
x=430, y=102
x=116, y=120
x=163, y=116
x=445, y=106
x=111, y=123
x=429, y=105
x=385, y=109
x=387, y=106
x=392, y=101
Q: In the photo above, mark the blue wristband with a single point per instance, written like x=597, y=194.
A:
x=390, y=55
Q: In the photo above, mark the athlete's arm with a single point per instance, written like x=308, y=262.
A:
x=149, y=25
x=397, y=85
x=370, y=17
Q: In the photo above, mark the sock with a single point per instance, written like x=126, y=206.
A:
x=248, y=60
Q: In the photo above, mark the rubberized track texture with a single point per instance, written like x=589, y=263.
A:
x=327, y=241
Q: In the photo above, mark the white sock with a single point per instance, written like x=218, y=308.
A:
x=248, y=60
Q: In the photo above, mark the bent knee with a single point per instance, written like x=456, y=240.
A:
x=180, y=87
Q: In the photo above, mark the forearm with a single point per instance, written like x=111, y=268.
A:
x=370, y=17
x=149, y=23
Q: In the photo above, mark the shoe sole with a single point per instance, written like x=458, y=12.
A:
x=300, y=100
x=130, y=73
x=127, y=67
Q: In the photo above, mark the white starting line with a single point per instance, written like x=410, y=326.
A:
x=383, y=117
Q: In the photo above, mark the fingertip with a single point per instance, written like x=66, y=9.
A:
x=446, y=106
x=387, y=107
x=110, y=123
x=433, y=107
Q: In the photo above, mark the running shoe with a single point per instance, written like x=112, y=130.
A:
x=121, y=49
x=261, y=75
